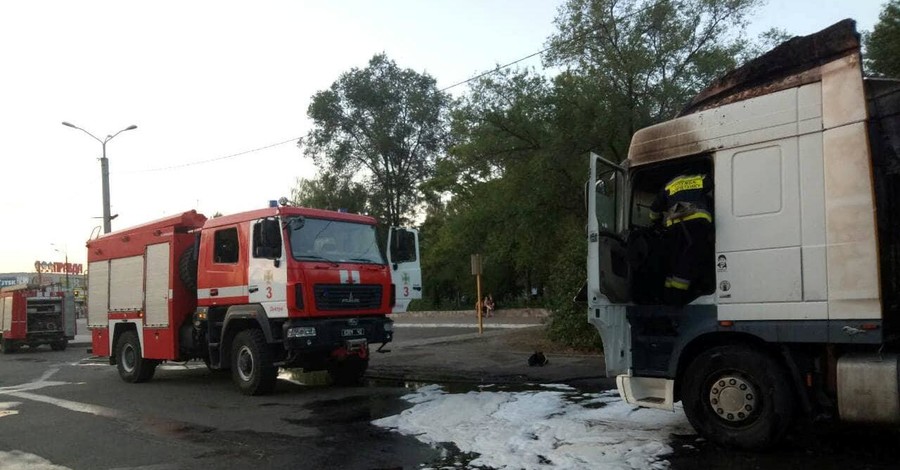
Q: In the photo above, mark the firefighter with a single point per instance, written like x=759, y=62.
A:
x=683, y=209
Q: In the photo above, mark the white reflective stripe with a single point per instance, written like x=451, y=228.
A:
x=349, y=277
x=233, y=291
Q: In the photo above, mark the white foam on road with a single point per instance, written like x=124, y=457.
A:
x=541, y=429
x=18, y=460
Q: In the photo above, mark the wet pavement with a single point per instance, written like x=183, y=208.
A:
x=83, y=416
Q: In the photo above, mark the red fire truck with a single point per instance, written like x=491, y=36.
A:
x=251, y=292
x=32, y=316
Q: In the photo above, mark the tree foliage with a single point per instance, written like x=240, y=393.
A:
x=647, y=58
x=883, y=43
x=385, y=124
x=332, y=192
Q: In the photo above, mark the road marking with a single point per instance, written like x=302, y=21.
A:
x=6, y=411
x=16, y=459
x=67, y=404
x=22, y=391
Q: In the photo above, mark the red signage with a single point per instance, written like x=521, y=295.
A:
x=60, y=268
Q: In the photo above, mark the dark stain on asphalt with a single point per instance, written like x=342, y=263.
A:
x=820, y=446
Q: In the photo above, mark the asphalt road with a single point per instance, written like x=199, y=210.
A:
x=75, y=411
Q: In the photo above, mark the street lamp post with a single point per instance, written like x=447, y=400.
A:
x=104, y=170
x=66, y=253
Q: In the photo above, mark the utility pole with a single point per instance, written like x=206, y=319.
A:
x=104, y=171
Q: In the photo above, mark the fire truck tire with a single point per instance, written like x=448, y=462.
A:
x=251, y=363
x=133, y=368
x=348, y=372
x=8, y=346
x=59, y=345
x=739, y=397
x=187, y=269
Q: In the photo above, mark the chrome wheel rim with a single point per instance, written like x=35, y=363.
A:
x=733, y=399
x=129, y=358
x=245, y=363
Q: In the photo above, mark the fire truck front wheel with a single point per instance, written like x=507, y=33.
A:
x=132, y=366
x=738, y=396
x=251, y=363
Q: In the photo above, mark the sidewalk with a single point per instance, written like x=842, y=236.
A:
x=499, y=356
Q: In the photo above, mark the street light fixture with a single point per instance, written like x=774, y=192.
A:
x=104, y=169
x=66, y=253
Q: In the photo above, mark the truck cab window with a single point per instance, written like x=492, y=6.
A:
x=267, y=239
x=403, y=246
x=226, y=246
x=607, y=201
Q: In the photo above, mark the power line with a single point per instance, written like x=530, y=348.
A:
x=200, y=162
x=572, y=39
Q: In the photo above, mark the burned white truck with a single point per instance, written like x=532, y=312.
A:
x=794, y=309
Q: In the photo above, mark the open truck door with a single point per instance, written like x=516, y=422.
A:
x=406, y=271
x=607, y=267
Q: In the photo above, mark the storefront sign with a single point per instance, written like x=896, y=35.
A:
x=59, y=268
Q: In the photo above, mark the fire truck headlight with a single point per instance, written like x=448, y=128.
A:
x=301, y=332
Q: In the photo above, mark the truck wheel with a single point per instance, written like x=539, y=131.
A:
x=739, y=397
x=133, y=368
x=59, y=345
x=348, y=372
x=187, y=269
x=251, y=363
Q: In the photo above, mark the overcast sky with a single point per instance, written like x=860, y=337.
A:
x=204, y=80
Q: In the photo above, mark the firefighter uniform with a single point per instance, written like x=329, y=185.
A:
x=683, y=208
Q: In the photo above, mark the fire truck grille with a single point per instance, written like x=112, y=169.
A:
x=347, y=296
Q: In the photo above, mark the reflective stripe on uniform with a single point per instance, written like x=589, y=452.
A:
x=677, y=283
x=684, y=183
x=700, y=214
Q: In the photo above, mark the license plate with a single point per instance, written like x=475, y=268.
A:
x=353, y=332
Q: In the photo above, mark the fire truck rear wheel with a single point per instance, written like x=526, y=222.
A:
x=132, y=366
x=59, y=345
x=251, y=363
x=738, y=396
x=348, y=372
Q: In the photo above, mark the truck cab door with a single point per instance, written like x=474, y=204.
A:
x=406, y=271
x=607, y=287
x=267, y=280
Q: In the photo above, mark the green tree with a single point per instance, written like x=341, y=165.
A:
x=883, y=43
x=647, y=58
x=330, y=191
x=385, y=124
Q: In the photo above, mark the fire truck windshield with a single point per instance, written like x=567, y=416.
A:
x=333, y=241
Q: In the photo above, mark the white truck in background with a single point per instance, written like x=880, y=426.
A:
x=798, y=314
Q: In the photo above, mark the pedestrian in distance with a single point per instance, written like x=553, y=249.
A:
x=489, y=305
